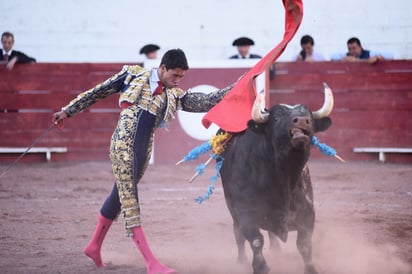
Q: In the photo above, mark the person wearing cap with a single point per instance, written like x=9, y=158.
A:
x=150, y=51
x=243, y=46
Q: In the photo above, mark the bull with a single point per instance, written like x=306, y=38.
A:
x=266, y=180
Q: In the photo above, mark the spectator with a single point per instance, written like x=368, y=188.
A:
x=307, y=53
x=243, y=46
x=9, y=56
x=150, y=51
x=356, y=53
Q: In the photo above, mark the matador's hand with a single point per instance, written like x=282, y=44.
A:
x=58, y=117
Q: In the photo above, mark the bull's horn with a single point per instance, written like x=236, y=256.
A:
x=327, y=107
x=258, y=115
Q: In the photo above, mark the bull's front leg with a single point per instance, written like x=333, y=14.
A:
x=304, y=245
x=240, y=241
x=305, y=219
x=255, y=239
x=273, y=242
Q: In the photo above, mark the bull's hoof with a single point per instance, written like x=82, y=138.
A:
x=242, y=259
x=274, y=246
x=263, y=269
x=310, y=269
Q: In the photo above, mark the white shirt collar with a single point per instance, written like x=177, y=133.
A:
x=153, y=80
x=9, y=52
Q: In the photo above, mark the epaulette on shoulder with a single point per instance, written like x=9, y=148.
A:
x=135, y=70
x=178, y=92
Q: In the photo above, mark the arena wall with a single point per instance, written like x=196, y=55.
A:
x=373, y=107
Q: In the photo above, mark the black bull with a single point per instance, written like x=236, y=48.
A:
x=266, y=181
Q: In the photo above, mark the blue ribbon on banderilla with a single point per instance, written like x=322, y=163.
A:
x=217, y=145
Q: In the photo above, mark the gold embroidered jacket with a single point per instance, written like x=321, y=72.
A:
x=132, y=82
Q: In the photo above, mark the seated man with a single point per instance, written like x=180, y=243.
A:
x=308, y=54
x=9, y=56
x=357, y=53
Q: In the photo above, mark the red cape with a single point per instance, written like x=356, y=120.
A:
x=234, y=111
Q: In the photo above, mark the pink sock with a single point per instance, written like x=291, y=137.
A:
x=152, y=264
x=92, y=250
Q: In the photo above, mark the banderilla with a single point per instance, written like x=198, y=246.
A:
x=28, y=149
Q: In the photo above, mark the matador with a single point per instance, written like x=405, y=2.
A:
x=148, y=99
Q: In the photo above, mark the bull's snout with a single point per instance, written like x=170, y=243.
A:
x=301, y=121
x=301, y=127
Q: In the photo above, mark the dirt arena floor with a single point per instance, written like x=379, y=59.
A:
x=49, y=211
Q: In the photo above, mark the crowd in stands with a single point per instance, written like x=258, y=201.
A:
x=356, y=53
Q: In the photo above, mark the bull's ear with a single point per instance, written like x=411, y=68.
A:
x=322, y=124
x=256, y=127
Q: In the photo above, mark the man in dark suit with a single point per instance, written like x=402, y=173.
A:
x=9, y=56
x=243, y=46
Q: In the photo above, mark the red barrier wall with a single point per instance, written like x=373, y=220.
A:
x=372, y=107
x=373, y=103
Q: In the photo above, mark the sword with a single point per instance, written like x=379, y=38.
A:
x=27, y=150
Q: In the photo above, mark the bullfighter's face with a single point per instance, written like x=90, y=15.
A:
x=171, y=77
